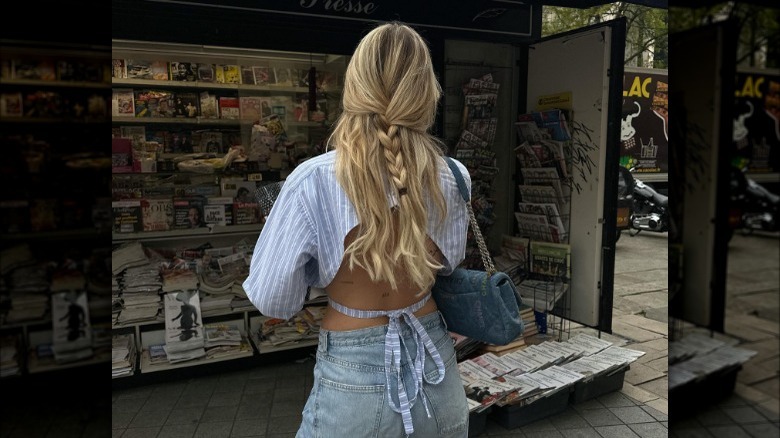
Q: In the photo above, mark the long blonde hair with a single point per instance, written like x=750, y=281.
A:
x=388, y=105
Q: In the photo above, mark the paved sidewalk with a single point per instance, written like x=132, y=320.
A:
x=639, y=322
x=752, y=322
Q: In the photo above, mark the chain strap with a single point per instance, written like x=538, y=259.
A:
x=483, y=251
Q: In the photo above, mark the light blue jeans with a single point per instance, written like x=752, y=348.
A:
x=349, y=397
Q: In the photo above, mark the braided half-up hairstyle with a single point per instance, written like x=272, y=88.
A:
x=388, y=106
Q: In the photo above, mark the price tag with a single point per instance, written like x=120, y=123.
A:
x=254, y=177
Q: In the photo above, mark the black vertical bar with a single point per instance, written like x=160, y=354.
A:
x=614, y=106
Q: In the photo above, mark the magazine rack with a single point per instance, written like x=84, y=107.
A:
x=53, y=103
x=566, y=168
x=204, y=130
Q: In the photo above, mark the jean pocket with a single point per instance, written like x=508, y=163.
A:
x=348, y=410
x=448, y=403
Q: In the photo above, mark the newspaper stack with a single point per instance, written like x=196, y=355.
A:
x=139, y=290
x=302, y=327
x=126, y=256
x=240, y=301
x=698, y=356
x=464, y=346
x=541, y=295
x=123, y=355
x=29, y=286
x=224, y=340
x=9, y=359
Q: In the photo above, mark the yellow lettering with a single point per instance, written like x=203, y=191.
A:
x=636, y=88
x=751, y=88
x=645, y=83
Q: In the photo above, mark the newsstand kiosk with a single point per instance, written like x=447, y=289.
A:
x=494, y=42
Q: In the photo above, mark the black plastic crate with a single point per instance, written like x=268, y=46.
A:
x=689, y=399
x=598, y=386
x=515, y=416
x=478, y=422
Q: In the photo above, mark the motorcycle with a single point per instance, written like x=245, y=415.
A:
x=752, y=207
x=648, y=210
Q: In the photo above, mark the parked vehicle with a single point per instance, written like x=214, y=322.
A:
x=751, y=206
x=648, y=209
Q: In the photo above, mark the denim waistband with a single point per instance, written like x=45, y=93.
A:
x=402, y=324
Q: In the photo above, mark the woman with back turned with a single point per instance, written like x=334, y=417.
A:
x=373, y=222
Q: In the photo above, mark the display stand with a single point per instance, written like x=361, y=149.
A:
x=54, y=99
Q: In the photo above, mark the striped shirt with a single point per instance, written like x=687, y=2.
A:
x=302, y=241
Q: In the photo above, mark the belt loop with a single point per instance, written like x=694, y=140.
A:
x=323, y=345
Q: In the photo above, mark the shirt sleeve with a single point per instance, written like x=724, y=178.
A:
x=282, y=259
x=452, y=238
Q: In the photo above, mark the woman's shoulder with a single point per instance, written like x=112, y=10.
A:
x=312, y=168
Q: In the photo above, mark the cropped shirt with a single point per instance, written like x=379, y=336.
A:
x=302, y=241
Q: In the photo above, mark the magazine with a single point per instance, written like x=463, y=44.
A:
x=70, y=321
x=551, y=259
x=183, y=324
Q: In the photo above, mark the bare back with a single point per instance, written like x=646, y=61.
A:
x=354, y=289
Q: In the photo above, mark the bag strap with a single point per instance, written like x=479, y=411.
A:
x=464, y=193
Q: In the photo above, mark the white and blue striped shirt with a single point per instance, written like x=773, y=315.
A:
x=302, y=242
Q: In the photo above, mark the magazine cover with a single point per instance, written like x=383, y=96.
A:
x=207, y=73
x=41, y=70
x=188, y=212
x=70, y=321
x=551, y=259
x=252, y=107
x=123, y=103
x=186, y=104
x=139, y=69
x=127, y=216
x=247, y=75
x=157, y=214
x=231, y=74
x=219, y=211
x=211, y=142
x=184, y=71
x=229, y=108
x=283, y=77
x=209, y=106
x=11, y=105
x=183, y=322
x=118, y=69
x=263, y=75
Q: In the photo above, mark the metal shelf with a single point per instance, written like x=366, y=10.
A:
x=62, y=84
x=216, y=230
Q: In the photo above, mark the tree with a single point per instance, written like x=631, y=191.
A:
x=646, y=28
x=759, y=31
